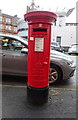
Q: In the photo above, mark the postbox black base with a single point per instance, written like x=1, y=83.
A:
x=37, y=96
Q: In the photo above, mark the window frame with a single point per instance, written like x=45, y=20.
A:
x=8, y=20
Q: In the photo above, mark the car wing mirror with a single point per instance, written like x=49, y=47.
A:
x=24, y=50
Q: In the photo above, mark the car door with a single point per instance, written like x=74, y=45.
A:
x=13, y=61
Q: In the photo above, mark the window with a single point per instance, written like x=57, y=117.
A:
x=0, y=18
x=10, y=44
x=60, y=23
x=22, y=29
x=55, y=23
x=8, y=20
x=71, y=24
x=1, y=26
x=15, y=29
x=8, y=27
x=58, y=40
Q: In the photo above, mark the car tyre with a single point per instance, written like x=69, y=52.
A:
x=55, y=74
x=69, y=53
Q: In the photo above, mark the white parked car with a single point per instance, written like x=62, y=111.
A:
x=73, y=49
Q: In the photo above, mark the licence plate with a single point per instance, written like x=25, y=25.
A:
x=74, y=51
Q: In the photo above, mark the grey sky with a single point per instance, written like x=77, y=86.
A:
x=13, y=7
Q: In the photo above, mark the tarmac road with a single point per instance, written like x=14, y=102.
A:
x=61, y=100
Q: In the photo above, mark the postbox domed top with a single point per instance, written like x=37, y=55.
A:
x=40, y=17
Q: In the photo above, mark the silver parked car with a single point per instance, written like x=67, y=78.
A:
x=14, y=55
x=55, y=46
x=73, y=49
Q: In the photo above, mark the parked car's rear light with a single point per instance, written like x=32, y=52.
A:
x=70, y=47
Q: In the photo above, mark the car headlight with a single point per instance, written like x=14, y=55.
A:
x=71, y=63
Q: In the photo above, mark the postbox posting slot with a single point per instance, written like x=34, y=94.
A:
x=39, y=45
x=39, y=30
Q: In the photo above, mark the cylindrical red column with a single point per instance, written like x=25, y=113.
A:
x=39, y=38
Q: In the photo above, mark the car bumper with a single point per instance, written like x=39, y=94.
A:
x=72, y=52
x=69, y=72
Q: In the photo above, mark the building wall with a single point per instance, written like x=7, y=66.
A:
x=8, y=24
x=22, y=27
x=77, y=22
x=67, y=34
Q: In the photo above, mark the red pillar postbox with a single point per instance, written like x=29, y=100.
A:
x=39, y=37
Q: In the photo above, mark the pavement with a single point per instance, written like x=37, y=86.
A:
x=61, y=103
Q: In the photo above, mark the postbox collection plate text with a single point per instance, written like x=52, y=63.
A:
x=39, y=44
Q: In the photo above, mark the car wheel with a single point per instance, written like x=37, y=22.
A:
x=69, y=53
x=55, y=74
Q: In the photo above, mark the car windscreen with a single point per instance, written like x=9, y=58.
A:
x=75, y=45
x=54, y=44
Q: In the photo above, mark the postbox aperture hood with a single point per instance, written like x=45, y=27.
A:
x=40, y=16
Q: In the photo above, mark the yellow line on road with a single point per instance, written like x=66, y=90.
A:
x=23, y=86
x=13, y=86
x=66, y=89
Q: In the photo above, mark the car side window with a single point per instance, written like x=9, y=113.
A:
x=4, y=43
x=0, y=44
x=17, y=45
x=10, y=44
